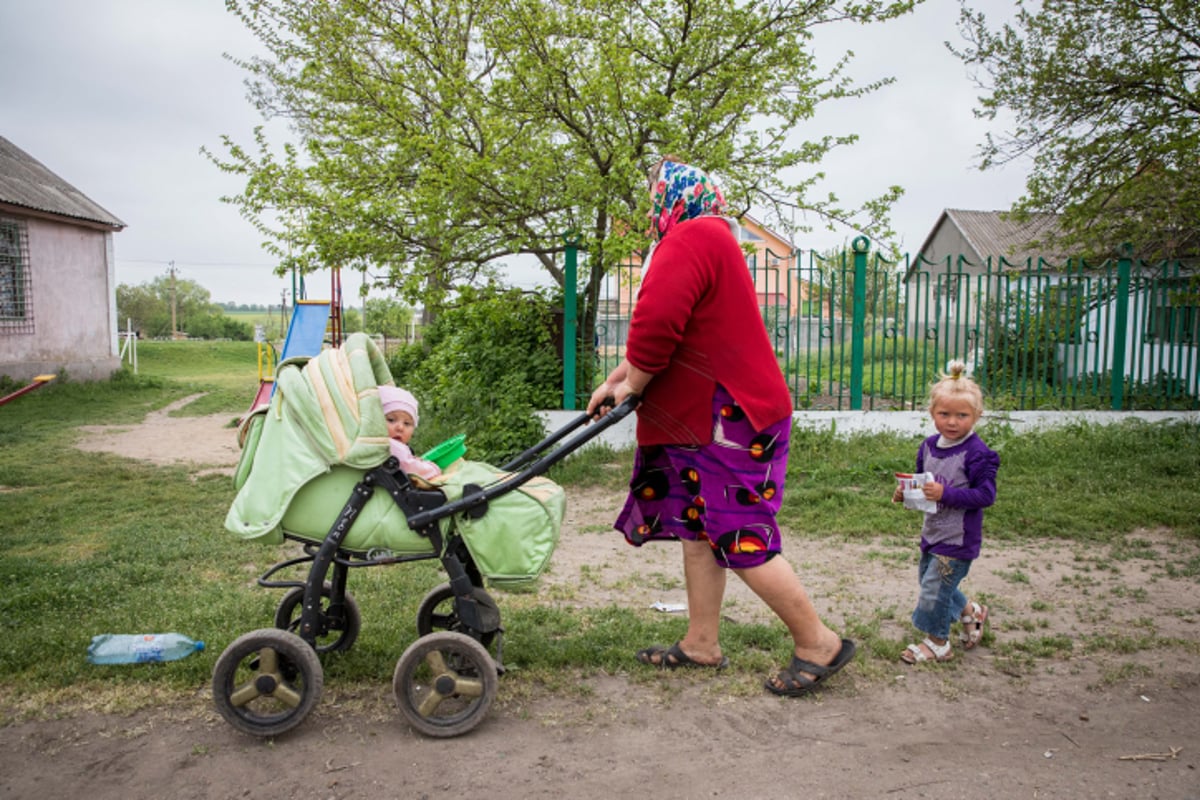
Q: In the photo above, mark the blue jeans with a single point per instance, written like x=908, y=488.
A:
x=940, y=603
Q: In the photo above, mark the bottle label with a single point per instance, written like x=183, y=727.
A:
x=147, y=650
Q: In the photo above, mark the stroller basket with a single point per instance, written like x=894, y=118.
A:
x=267, y=681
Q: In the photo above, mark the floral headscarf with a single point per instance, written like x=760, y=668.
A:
x=682, y=193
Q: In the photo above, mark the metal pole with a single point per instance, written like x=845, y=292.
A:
x=861, y=245
x=1120, y=336
x=570, y=312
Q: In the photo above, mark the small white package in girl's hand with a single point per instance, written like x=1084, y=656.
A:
x=914, y=497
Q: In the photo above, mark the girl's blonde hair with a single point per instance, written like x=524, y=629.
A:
x=956, y=384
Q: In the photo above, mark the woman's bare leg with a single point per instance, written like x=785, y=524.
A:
x=780, y=588
x=705, y=592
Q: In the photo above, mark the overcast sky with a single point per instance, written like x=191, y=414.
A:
x=118, y=96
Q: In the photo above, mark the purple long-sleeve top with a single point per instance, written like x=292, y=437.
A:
x=968, y=472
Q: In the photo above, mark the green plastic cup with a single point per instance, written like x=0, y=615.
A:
x=448, y=451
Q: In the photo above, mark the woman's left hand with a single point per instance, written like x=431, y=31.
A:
x=625, y=380
x=600, y=401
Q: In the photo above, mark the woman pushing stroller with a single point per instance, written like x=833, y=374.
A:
x=712, y=431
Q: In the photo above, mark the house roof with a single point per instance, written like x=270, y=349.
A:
x=26, y=182
x=768, y=230
x=996, y=234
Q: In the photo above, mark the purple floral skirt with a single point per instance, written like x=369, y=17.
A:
x=726, y=493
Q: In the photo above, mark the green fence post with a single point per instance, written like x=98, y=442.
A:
x=859, y=325
x=1120, y=338
x=570, y=318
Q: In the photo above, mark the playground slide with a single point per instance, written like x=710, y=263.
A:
x=305, y=336
x=266, y=388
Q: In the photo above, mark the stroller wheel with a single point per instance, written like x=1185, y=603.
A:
x=338, y=627
x=438, y=613
x=444, y=684
x=266, y=682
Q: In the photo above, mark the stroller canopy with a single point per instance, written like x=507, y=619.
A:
x=325, y=411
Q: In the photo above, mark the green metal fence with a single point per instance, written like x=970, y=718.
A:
x=856, y=331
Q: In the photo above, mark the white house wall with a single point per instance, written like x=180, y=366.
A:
x=71, y=271
x=1144, y=361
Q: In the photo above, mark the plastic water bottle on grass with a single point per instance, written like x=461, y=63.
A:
x=140, y=648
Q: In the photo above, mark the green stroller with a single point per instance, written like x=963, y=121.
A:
x=314, y=461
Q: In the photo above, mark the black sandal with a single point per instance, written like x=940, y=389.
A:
x=796, y=684
x=673, y=657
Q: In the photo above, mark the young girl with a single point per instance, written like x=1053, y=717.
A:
x=400, y=411
x=964, y=483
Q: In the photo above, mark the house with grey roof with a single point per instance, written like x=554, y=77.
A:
x=973, y=238
x=951, y=279
x=57, y=274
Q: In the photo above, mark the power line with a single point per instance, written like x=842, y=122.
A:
x=195, y=263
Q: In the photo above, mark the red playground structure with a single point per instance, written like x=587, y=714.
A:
x=38, y=382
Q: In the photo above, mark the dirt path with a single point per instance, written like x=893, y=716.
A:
x=1049, y=738
x=1099, y=723
x=205, y=442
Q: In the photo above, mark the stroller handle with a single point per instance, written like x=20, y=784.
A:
x=531, y=463
x=614, y=416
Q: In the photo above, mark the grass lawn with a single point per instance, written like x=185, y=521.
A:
x=227, y=372
x=93, y=543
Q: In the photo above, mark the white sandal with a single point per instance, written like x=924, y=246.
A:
x=972, y=625
x=913, y=654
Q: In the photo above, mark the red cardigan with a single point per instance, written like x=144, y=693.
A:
x=697, y=324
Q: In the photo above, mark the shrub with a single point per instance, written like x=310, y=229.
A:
x=483, y=368
x=218, y=326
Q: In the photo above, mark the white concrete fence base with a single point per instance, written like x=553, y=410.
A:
x=914, y=423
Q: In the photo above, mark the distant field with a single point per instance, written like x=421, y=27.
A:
x=272, y=322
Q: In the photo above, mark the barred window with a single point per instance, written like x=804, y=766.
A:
x=16, y=305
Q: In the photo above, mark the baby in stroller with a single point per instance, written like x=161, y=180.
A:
x=400, y=411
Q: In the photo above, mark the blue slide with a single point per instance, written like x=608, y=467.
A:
x=306, y=334
x=305, y=337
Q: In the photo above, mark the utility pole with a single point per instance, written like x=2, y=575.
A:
x=171, y=270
